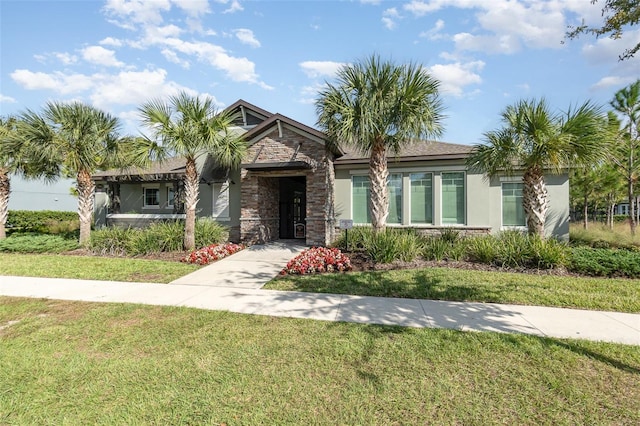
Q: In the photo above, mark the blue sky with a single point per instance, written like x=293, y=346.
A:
x=117, y=54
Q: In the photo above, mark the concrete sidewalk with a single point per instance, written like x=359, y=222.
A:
x=252, y=267
x=539, y=321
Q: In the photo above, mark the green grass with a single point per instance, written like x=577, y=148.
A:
x=79, y=363
x=92, y=268
x=622, y=295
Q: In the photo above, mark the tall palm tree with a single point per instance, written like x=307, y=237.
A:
x=73, y=139
x=9, y=163
x=534, y=141
x=377, y=106
x=626, y=103
x=189, y=126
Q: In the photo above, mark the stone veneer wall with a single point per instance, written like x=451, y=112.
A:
x=435, y=231
x=259, y=219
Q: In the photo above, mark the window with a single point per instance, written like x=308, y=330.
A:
x=360, y=196
x=421, y=198
x=453, y=203
x=512, y=210
x=171, y=195
x=394, y=186
x=151, y=197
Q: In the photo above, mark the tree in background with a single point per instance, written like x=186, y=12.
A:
x=377, y=106
x=73, y=139
x=535, y=141
x=625, y=152
x=190, y=127
x=617, y=14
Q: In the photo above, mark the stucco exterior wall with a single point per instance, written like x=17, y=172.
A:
x=483, y=197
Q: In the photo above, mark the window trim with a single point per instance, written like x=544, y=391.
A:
x=464, y=181
x=433, y=201
x=144, y=197
x=170, y=202
x=502, y=225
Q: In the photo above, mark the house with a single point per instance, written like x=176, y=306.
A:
x=294, y=184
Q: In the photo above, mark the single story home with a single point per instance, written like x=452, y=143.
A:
x=294, y=184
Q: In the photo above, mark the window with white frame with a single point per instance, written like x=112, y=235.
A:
x=361, y=194
x=421, y=198
x=171, y=195
x=512, y=209
x=394, y=188
x=151, y=197
x=453, y=198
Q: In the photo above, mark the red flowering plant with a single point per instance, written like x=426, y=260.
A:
x=318, y=259
x=211, y=253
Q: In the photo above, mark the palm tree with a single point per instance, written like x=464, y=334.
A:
x=535, y=141
x=377, y=106
x=73, y=139
x=9, y=163
x=190, y=127
x=626, y=102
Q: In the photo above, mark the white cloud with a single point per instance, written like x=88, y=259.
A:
x=373, y=2
x=309, y=94
x=505, y=43
x=315, y=69
x=504, y=26
x=128, y=13
x=234, y=7
x=246, y=36
x=612, y=81
x=66, y=58
x=454, y=77
x=98, y=55
x=148, y=19
x=172, y=56
x=6, y=99
x=434, y=33
x=110, y=41
x=58, y=82
x=389, y=18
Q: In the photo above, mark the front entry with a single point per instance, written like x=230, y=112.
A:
x=293, y=207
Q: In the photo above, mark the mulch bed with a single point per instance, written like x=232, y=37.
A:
x=360, y=262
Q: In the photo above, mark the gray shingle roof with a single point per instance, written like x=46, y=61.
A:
x=175, y=165
x=424, y=150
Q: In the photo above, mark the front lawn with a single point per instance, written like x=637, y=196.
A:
x=92, y=267
x=608, y=294
x=80, y=363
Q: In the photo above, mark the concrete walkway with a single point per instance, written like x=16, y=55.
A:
x=249, y=268
x=539, y=321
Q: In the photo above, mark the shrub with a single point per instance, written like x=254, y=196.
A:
x=435, y=248
x=208, y=232
x=157, y=237
x=211, y=253
x=383, y=247
x=482, y=249
x=357, y=237
x=111, y=241
x=37, y=244
x=318, y=259
x=605, y=262
x=42, y=221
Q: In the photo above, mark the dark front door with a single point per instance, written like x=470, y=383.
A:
x=293, y=207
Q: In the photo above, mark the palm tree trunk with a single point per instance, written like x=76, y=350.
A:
x=535, y=200
x=191, y=182
x=86, y=193
x=5, y=191
x=585, y=219
x=378, y=174
x=632, y=215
